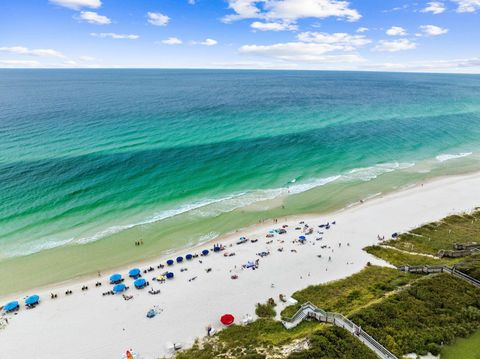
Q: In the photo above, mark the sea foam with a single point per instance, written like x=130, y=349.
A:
x=448, y=157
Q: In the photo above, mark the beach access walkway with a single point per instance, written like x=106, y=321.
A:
x=441, y=269
x=308, y=310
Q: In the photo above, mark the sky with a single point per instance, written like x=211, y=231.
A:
x=373, y=35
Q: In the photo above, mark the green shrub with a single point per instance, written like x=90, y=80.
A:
x=266, y=310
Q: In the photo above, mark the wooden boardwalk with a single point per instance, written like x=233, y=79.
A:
x=441, y=269
x=308, y=310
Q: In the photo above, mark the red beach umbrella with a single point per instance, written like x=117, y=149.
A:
x=227, y=319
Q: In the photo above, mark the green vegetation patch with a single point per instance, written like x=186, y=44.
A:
x=333, y=343
x=468, y=348
x=432, y=237
x=266, y=310
x=471, y=266
x=249, y=341
x=349, y=294
x=398, y=258
x=435, y=309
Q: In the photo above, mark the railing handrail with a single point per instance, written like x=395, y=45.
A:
x=444, y=268
x=339, y=320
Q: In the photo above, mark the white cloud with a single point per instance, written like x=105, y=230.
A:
x=435, y=7
x=432, y=30
x=346, y=41
x=191, y=2
x=87, y=58
x=114, y=35
x=157, y=19
x=20, y=50
x=467, y=5
x=361, y=30
x=396, y=31
x=455, y=65
x=289, y=11
x=94, y=18
x=206, y=42
x=395, y=45
x=397, y=8
x=312, y=47
x=172, y=41
x=19, y=63
x=273, y=26
x=300, y=51
x=78, y=4
x=255, y=65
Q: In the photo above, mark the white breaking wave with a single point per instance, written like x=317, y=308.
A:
x=25, y=249
x=447, y=157
x=369, y=173
x=215, y=207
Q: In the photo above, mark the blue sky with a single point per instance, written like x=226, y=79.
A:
x=390, y=35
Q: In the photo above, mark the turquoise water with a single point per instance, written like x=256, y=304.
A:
x=88, y=154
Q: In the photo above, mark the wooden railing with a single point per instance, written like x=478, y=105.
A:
x=439, y=269
x=308, y=310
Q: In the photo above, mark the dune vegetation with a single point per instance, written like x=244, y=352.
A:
x=407, y=313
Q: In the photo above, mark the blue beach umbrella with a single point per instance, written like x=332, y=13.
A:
x=205, y=252
x=179, y=259
x=170, y=262
x=140, y=283
x=302, y=238
x=32, y=300
x=134, y=273
x=119, y=288
x=188, y=257
x=115, y=278
x=11, y=306
x=216, y=248
x=169, y=275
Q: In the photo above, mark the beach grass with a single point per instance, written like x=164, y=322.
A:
x=432, y=311
x=407, y=313
x=465, y=348
x=399, y=258
x=433, y=237
x=249, y=341
x=352, y=293
x=266, y=310
x=268, y=335
x=471, y=266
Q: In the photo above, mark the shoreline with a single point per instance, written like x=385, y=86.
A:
x=229, y=236
x=109, y=325
x=77, y=261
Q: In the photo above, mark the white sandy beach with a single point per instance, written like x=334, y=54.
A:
x=89, y=325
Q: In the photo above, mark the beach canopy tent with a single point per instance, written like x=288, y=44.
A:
x=32, y=300
x=140, y=283
x=115, y=278
x=227, y=319
x=188, y=257
x=205, y=252
x=179, y=259
x=119, y=288
x=169, y=275
x=11, y=306
x=134, y=273
x=170, y=262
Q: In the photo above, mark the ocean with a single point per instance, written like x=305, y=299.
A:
x=93, y=160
